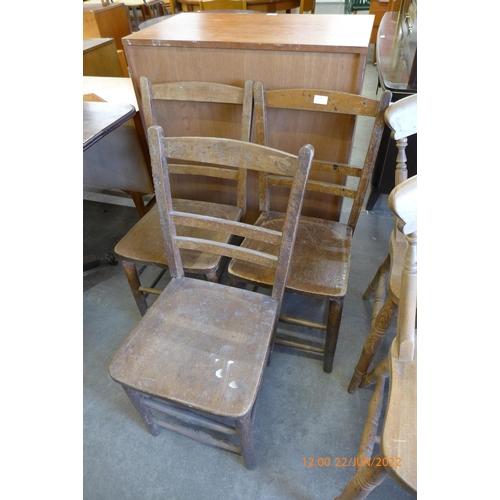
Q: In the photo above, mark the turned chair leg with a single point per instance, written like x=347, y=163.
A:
x=372, y=420
x=332, y=332
x=372, y=343
x=364, y=482
x=134, y=283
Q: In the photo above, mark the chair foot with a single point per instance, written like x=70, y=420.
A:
x=363, y=483
x=332, y=332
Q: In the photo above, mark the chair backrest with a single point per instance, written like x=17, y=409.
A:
x=223, y=5
x=401, y=118
x=403, y=202
x=321, y=179
x=154, y=96
x=157, y=8
x=233, y=154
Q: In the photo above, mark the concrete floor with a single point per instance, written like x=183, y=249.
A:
x=302, y=412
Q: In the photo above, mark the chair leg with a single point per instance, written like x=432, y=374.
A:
x=134, y=283
x=372, y=421
x=364, y=482
x=372, y=343
x=243, y=427
x=332, y=332
x=376, y=279
x=212, y=277
x=146, y=414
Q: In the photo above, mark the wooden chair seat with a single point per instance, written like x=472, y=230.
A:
x=207, y=353
x=144, y=242
x=399, y=436
x=320, y=261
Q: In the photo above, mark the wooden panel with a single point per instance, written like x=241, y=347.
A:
x=100, y=58
x=320, y=51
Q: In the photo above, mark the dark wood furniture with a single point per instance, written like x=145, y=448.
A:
x=143, y=244
x=397, y=70
x=321, y=260
x=310, y=51
x=196, y=359
x=101, y=118
x=121, y=159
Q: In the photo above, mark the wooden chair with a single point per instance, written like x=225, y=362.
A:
x=157, y=8
x=143, y=244
x=223, y=5
x=398, y=442
x=401, y=118
x=197, y=357
x=320, y=266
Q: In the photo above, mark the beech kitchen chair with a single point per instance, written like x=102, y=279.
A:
x=401, y=118
x=321, y=260
x=198, y=354
x=143, y=245
x=398, y=440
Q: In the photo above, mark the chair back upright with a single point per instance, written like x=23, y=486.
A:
x=233, y=154
x=321, y=180
x=403, y=202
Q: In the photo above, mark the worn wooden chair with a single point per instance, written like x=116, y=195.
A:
x=401, y=118
x=321, y=262
x=143, y=244
x=398, y=441
x=223, y=5
x=199, y=353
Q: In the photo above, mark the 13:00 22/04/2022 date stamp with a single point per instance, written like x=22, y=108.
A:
x=351, y=462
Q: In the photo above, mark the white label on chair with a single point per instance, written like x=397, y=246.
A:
x=321, y=99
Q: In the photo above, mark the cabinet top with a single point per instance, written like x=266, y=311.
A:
x=303, y=33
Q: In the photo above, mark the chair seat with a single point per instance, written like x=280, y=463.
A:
x=223, y=332
x=144, y=242
x=320, y=262
x=399, y=437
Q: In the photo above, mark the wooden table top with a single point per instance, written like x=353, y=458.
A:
x=318, y=33
x=111, y=88
x=101, y=118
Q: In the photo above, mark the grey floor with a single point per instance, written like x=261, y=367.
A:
x=302, y=412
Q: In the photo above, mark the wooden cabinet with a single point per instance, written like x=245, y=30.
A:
x=100, y=57
x=282, y=51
